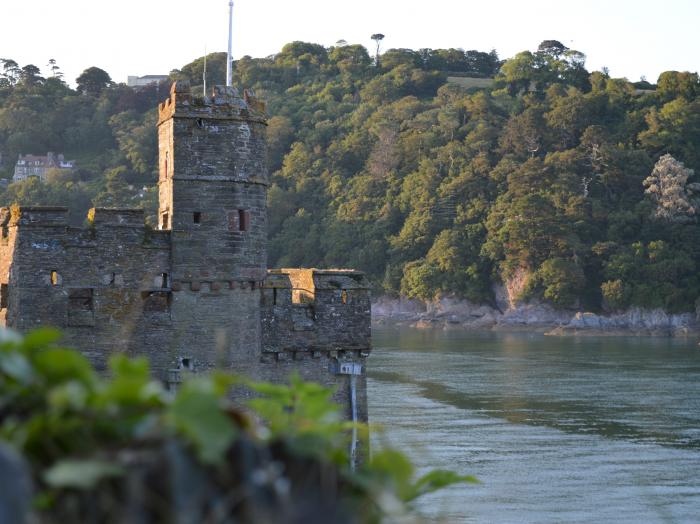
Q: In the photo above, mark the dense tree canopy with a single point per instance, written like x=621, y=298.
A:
x=428, y=186
x=92, y=81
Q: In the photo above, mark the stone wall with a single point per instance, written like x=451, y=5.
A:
x=102, y=285
x=314, y=320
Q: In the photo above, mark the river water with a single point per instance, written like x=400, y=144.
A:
x=556, y=429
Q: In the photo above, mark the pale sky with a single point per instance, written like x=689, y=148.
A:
x=137, y=37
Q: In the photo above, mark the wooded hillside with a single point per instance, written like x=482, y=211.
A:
x=578, y=184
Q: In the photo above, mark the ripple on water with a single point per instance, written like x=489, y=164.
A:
x=600, y=430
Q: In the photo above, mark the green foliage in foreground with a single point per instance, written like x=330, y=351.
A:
x=74, y=427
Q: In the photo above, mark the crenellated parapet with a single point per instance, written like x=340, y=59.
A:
x=223, y=102
x=316, y=310
x=37, y=216
x=100, y=216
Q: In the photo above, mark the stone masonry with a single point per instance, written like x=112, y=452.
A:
x=195, y=294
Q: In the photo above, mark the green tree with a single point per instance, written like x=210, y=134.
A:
x=377, y=37
x=92, y=81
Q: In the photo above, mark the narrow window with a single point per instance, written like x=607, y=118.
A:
x=156, y=301
x=252, y=284
x=187, y=363
x=80, y=299
x=3, y=296
x=165, y=221
x=166, y=164
x=197, y=217
x=81, y=309
x=112, y=279
x=344, y=296
x=54, y=278
x=242, y=220
x=200, y=123
x=164, y=280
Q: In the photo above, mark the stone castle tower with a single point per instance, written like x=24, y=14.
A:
x=196, y=293
x=212, y=190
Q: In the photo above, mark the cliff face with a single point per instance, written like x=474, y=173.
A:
x=451, y=312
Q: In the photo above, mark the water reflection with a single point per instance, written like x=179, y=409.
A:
x=574, y=417
x=573, y=430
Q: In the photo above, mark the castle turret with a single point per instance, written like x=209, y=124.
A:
x=213, y=184
x=213, y=189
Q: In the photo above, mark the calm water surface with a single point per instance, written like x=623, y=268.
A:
x=556, y=429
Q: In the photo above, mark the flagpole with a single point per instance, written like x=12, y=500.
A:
x=229, y=58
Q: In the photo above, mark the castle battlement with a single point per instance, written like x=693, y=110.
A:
x=315, y=310
x=37, y=216
x=195, y=293
x=223, y=102
x=99, y=216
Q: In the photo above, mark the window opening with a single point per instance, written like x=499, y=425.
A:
x=54, y=278
x=112, y=279
x=344, y=296
x=242, y=220
x=166, y=164
x=81, y=307
x=197, y=217
x=200, y=123
x=4, y=289
x=187, y=363
x=80, y=299
x=164, y=280
x=165, y=221
x=156, y=301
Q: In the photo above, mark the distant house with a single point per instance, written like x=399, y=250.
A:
x=141, y=81
x=31, y=165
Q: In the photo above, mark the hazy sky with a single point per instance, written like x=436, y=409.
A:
x=136, y=37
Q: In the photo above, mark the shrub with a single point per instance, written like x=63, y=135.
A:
x=123, y=449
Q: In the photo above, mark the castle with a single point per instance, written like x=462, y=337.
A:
x=195, y=294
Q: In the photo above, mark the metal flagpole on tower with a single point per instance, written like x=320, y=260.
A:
x=229, y=65
x=204, y=74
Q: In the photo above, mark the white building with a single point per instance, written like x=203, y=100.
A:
x=140, y=81
x=32, y=165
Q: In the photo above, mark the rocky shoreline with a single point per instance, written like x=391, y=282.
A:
x=449, y=313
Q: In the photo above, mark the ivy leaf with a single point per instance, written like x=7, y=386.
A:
x=80, y=474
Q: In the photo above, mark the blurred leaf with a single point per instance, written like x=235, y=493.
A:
x=71, y=395
x=17, y=367
x=80, y=474
x=59, y=365
x=131, y=384
x=436, y=480
x=197, y=414
x=41, y=338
